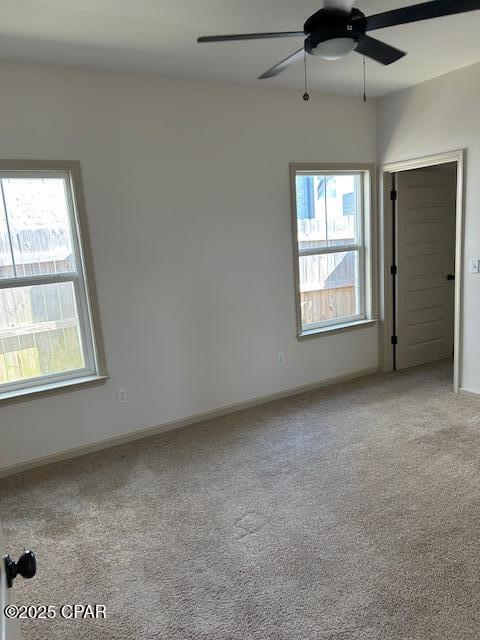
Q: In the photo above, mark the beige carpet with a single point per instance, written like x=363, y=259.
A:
x=346, y=513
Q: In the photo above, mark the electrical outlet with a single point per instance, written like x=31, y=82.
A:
x=122, y=396
x=281, y=358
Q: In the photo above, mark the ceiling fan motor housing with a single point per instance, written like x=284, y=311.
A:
x=331, y=24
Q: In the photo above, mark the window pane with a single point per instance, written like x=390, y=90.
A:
x=38, y=218
x=328, y=210
x=39, y=332
x=6, y=259
x=329, y=286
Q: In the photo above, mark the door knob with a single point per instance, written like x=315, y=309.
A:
x=451, y=276
x=26, y=566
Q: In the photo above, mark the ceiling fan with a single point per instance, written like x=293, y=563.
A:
x=338, y=29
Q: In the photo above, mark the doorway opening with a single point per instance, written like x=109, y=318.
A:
x=421, y=255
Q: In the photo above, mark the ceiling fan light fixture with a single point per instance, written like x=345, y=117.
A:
x=335, y=48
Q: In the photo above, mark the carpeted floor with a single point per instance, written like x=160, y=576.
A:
x=345, y=513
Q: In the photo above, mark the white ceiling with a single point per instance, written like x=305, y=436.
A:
x=158, y=36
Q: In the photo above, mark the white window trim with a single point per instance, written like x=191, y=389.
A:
x=82, y=279
x=367, y=265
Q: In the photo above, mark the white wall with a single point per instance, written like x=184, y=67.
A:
x=434, y=117
x=188, y=203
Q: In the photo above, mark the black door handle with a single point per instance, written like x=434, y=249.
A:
x=451, y=276
x=26, y=566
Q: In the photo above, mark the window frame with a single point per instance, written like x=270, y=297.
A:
x=82, y=280
x=363, y=247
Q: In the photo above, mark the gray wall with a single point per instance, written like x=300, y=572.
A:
x=188, y=202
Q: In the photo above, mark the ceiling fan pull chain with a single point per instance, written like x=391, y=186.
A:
x=364, y=79
x=306, y=95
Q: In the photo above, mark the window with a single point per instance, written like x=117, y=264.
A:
x=330, y=241
x=46, y=321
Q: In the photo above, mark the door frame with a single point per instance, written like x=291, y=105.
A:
x=386, y=293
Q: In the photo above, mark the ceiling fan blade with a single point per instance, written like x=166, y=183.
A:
x=379, y=51
x=284, y=64
x=251, y=36
x=424, y=11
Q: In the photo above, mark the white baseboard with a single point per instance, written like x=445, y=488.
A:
x=469, y=394
x=140, y=434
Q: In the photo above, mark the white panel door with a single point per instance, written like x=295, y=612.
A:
x=9, y=629
x=425, y=247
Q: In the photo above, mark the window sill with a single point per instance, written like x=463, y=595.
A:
x=337, y=328
x=42, y=390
